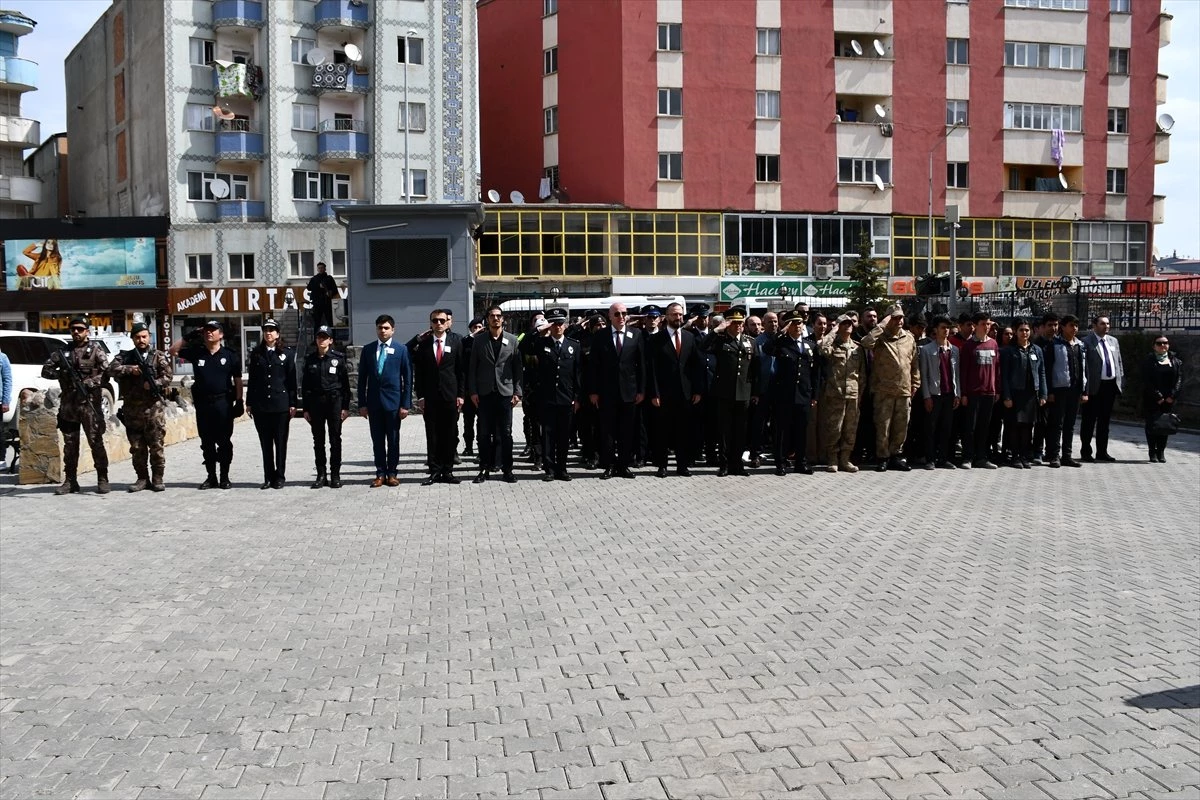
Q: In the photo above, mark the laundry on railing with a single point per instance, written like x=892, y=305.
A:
x=332, y=76
x=237, y=79
x=1047, y=185
x=1058, y=141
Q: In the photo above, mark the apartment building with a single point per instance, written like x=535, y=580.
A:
x=18, y=191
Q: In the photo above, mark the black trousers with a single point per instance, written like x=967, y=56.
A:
x=495, y=432
x=760, y=414
x=791, y=431
x=272, y=427
x=939, y=424
x=1095, y=417
x=441, y=434
x=214, y=423
x=1156, y=443
x=977, y=426
x=322, y=314
x=468, y=418
x=618, y=433
x=1060, y=422
x=864, y=440
x=733, y=416
x=675, y=432
x=556, y=436
x=326, y=413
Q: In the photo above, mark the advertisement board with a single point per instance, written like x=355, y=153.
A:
x=767, y=288
x=52, y=264
x=243, y=299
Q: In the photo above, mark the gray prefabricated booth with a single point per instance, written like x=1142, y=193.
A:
x=407, y=260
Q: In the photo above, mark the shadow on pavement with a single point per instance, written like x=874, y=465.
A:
x=1173, y=699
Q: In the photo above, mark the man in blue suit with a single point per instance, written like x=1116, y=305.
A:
x=385, y=380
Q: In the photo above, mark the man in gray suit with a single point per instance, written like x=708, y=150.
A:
x=494, y=385
x=939, y=363
x=1106, y=379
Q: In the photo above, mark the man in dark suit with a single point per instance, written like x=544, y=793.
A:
x=439, y=370
x=384, y=397
x=792, y=388
x=494, y=385
x=674, y=380
x=322, y=288
x=616, y=386
x=557, y=361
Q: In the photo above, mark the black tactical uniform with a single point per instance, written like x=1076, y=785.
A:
x=793, y=385
x=326, y=390
x=271, y=397
x=213, y=394
x=735, y=381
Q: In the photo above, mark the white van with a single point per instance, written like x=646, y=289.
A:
x=27, y=352
x=578, y=305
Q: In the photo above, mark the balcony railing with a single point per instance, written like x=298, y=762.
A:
x=237, y=14
x=18, y=189
x=342, y=125
x=342, y=143
x=328, y=209
x=1162, y=147
x=20, y=74
x=341, y=13
x=239, y=145
x=241, y=210
x=20, y=132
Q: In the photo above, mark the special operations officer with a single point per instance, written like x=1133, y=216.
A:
x=144, y=375
x=217, y=393
x=79, y=368
x=326, y=392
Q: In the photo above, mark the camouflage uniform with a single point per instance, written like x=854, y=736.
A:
x=76, y=410
x=144, y=412
x=845, y=365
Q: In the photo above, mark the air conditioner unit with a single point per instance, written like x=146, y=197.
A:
x=823, y=271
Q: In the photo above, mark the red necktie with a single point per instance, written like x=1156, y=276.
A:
x=677, y=345
x=438, y=342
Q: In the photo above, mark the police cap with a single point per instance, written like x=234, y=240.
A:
x=270, y=325
x=324, y=332
x=795, y=315
x=699, y=310
x=651, y=311
x=77, y=320
x=556, y=315
x=736, y=314
x=213, y=325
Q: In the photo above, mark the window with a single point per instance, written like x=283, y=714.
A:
x=419, y=183
x=201, y=52
x=766, y=105
x=318, y=186
x=304, y=117
x=1040, y=117
x=670, y=36
x=670, y=166
x=957, y=51
x=337, y=263
x=864, y=170
x=766, y=169
x=199, y=117
x=1118, y=60
x=241, y=266
x=1119, y=6
x=200, y=186
x=1118, y=120
x=1114, y=181
x=199, y=266
x=768, y=42
x=549, y=7
x=300, y=48
x=301, y=264
x=550, y=61
x=1042, y=55
x=956, y=112
x=956, y=175
x=411, y=50
x=1052, y=5
x=670, y=102
x=551, y=173
x=242, y=56
x=416, y=114
x=550, y=120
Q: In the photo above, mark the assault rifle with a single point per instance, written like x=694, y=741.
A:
x=81, y=389
x=148, y=374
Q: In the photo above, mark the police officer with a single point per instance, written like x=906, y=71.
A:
x=271, y=401
x=735, y=386
x=326, y=391
x=144, y=375
x=79, y=368
x=559, y=364
x=217, y=394
x=793, y=391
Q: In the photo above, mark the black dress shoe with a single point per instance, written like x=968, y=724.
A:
x=319, y=482
x=1106, y=458
x=562, y=476
x=335, y=482
x=625, y=472
x=756, y=462
x=722, y=472
x=1070, y=462
x=781, y=470
x=211, y=481
x=481, y=477
x=804, y=469
x=265, y=485
x=683, y=472
x=900, y=465
x=430, y=481
x=278, y=483
x=608, y=473
x=547, y=476
x=450, y=479
x=1088, y=458
x=510, y=478
x=882, y=466
x=661, y=472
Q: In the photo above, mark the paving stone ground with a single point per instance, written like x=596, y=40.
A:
x=1012, y=634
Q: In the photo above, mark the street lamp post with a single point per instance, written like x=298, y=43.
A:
x=929, y=253
x=408, y=34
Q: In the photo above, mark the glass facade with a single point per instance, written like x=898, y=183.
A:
x=985, y=247
x=767, y=244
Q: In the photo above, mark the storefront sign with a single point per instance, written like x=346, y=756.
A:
x=240, y=299
x=49, y=264
x=100, y=322
x=734, y=289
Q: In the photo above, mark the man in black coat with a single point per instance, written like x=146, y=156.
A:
x=321, y=290
x=792, y=388
x=439, y=379
x=616, y=386
x=675, y=379
x=734, y=386
x=557, y=363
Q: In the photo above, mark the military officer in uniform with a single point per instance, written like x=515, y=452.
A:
x=79, y=368
x=793, y=391
x=735, y=386
x=271, y=401
x=845, y=366
x=325, y=388
x=144, y=375
x=217, y=394
x=559, y=364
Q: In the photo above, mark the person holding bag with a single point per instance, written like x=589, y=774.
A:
x=1162, y=375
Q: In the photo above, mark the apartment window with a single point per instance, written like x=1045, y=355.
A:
x=411, y=50
x=199, y=266
x=304, y=117
x=300, y=48
x=1114, y=181
x=1118, y=60
x=414, y=119
x=419, y=183
x=864, y=170
x=301, y=263
x=337, y=263
x=957, y=51
x=1119, y=6
x=956, y=112
x=550, y=61
x=670, y=166
x=550, y=120
x=670, y=36
x=670, y=102
x=549, y=7
x=768, y=42
x=1118, y=120
x=241, y=266
x=199, y=117
x=956, y=175
x=201, y=52
x=551, y=174
x=1049, y=5
x=200, y=186
x=318, y=186
x=1042, y=117
x=766, y=169
x=766, y=105
x=1043, y=56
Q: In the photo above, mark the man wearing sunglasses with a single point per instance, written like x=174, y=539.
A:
x=616, y=386
x=79, y=368
x=494, y=385
x=440, y=383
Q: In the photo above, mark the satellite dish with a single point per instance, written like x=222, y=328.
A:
x=493, y=196
x=1165, y=122
x=856, y=47
x=316, y=57
x=219, y=188
x=353, y=53
x=1063, y=180
x=516, y=197
x=879, y=187
x=878, y=45
x=880, y=111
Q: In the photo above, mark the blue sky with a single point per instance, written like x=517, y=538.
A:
x=64, y=22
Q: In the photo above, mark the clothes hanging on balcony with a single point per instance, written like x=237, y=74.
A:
x=332, y=76
x=1047, y=185
x=231, y=80
x=1058, y=140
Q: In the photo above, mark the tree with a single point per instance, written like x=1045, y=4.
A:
x=868, y=287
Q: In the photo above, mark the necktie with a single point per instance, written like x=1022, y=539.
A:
x=1071, y=369
x=438, y=344
x=557, y=346
x=677, y=343
x=1107, y=362
x=380, y=353
x=620, y=341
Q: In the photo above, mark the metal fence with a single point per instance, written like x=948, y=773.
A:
x=1129, y=303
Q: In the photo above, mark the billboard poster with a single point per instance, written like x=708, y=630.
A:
x=50, y=264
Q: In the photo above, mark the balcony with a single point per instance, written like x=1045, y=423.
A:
x=237, y=14
x=1033, y=147
x=237, y=80
x=861, y=108
x=863, y=76
x=330, y=78
x=328, y=209
x=237, y=140
x=242, y=210
x=19, y=189
x=18, y=74
x=1164, y=29
x=20, y=133
x=1043, y=205
x=16, y=23
x=342, y=140
x=1162, y=147
x=1160, y=89
x=341, y=14
x=1159, y=213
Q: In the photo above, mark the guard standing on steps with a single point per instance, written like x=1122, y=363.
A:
x=326, y=391
x=79, y=368
x=217, y=394
x=144, y=375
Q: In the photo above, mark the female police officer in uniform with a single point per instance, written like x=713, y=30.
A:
x=326, y=391
x=217, y=393
x=271, y=401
